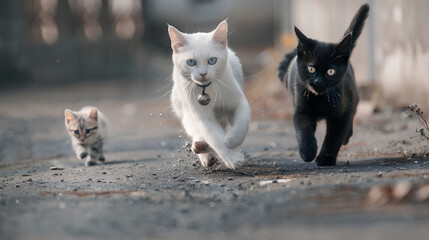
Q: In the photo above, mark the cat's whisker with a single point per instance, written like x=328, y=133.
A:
x=219, y=81
x=258, y=73
x=159, y=90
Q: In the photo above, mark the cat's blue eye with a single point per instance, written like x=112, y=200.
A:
x=191, y=62
x=76, y=131
x=87, y=130
x=212, y=61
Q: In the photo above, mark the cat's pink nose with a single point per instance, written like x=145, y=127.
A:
x=203, y=74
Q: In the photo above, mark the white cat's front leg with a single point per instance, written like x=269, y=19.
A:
x=214, y=136
x=239, y=125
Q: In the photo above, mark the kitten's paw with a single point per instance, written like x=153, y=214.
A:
x=207, y=160
x=83, y=155
x=326, y=161
x=200, y=147
x=234, y=159
x=90, y=163
x=308, y=150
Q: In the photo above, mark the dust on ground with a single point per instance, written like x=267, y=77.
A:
x=152, y=187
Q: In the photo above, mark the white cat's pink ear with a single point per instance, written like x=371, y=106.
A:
x=93, y=114
x=220, y=34
x=177, y=38
x=69, y=115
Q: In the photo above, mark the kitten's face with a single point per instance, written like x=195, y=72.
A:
x=80, y=127
x=200, y=56
x=322, y=65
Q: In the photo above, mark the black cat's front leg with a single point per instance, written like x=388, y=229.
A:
x=336, y=130
x=305, y=128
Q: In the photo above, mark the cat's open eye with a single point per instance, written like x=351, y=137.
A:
x=191, y=62
x=76, y=131
x=212, y=61
x=330, y=72
x=87, y=130
x=311, y=69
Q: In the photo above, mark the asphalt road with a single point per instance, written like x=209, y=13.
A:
x=152, y=187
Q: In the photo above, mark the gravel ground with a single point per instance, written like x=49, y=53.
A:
x=152, y=187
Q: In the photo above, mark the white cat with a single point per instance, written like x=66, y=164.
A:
x=203, y=59
x=88, y=131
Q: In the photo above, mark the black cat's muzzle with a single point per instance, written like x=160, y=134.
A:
x=317, y=88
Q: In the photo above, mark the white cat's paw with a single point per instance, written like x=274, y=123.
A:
x=232, y=142
x=206, y=159
x=234, y=159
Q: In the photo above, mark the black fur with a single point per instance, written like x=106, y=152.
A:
x=317, y=95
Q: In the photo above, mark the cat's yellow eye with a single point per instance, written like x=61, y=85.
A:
x=330, y=72
x=311, y=69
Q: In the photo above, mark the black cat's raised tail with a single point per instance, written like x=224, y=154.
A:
x=284, y=65
x=357, y=24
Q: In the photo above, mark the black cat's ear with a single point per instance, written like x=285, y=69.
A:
x=344, y=47
x=305, y=44
x=301, y=37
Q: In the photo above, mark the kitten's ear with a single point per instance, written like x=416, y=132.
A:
x=345, y=44
x=93, y=114
x=69, y=115
x=220, y=34
x=301, y=37
x=343, y=49
x=177, y=38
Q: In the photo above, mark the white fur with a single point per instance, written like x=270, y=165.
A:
x=228, y=103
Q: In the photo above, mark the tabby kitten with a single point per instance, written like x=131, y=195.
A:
x=88, y=130
x=321, y=83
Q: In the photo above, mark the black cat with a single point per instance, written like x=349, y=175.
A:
x=321, y=83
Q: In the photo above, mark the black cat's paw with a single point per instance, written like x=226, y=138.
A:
x=308, y=150
x=326, y=161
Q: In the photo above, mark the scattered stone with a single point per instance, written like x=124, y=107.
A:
x=347, y=163
x=379, y=174
x=263, y=183
x=17, y=185
x=103, y=173
x=230, y=178
x=56, y=168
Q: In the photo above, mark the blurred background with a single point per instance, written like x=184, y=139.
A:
x=115, y=54
x=50, y=42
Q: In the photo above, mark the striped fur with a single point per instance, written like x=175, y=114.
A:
x=88, y=130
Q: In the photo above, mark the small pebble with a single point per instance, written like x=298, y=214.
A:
x=380, y=174
x=55, y=168
x=103, y=173
x=230, y=178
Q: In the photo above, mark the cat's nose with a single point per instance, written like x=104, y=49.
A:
x=317, y=82
x=203, y=74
